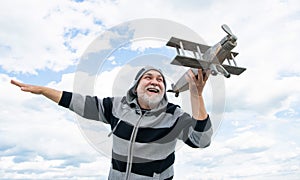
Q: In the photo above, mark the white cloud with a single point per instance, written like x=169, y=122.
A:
x=65, y=84
x=249, y=154
x=37, y=137
x=34, y=35
x=40, y=168
x=142, y=44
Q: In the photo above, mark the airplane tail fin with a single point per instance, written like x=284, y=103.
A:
x=173, y=91
x=233, y=69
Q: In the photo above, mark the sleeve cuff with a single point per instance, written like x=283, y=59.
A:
x=202, y=125
x=65, y=99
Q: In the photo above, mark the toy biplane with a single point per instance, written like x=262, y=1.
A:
x=205, y=57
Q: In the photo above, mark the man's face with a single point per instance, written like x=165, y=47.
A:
x=150, y=90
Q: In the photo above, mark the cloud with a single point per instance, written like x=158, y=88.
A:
x=254, y=152
x=40, y=168
x=142, y=45
x=38, y=137
x=34, y=39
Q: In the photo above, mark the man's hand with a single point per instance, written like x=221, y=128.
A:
x=197, y=83
x=52, y=94
x=28, y=88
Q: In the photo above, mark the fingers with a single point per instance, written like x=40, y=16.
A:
x=28, y=87
x=24, y=87
x=206, y=75
x=17, y=83
x=200, y=75
x=189, y=76
x=201, y=78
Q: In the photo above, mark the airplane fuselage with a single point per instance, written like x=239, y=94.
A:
x=220, y=51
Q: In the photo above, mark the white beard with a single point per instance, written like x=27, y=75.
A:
x=151, y=101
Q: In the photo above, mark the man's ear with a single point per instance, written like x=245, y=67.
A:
x=135, y=88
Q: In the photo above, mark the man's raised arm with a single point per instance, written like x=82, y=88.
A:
x=196, y=85
x=52, y=94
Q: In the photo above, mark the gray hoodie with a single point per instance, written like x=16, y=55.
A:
x=143, y=142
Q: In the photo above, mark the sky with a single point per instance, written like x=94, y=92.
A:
x=63, y=44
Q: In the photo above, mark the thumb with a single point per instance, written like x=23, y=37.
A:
x=188, y=75
x=23, y=88
x=26, y=89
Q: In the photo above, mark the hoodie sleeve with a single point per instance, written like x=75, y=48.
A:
x=196, y=134
x=90, y=107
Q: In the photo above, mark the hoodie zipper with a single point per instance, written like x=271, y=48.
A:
x=114, y=129
x=131, y=147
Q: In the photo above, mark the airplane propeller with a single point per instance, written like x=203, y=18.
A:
x=228, y=31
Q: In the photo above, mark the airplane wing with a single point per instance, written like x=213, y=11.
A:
x=187, y=45
x=233, y=69
x=190, y=62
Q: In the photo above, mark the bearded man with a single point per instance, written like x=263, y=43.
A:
x=145, y=126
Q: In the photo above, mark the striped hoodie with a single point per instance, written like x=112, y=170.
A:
x=143, y=141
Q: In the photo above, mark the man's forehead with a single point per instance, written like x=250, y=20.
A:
x=153, y=73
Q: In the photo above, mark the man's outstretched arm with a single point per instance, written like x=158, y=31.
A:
x=50, y=93
x=196, y=86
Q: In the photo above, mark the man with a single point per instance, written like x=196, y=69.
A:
x=145, y=126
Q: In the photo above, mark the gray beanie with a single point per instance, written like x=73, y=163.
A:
x=132, y=90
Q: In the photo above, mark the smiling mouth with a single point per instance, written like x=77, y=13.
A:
x=153, y=90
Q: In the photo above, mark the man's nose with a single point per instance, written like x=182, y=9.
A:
x=154, y=82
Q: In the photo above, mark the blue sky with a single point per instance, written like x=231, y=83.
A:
x=258, y=137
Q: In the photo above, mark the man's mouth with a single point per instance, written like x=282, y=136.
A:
x=153, y=90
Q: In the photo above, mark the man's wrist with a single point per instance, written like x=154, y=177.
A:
x=203, y=125
x=200, y=117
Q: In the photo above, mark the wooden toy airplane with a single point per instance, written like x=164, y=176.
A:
x=205, y=57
